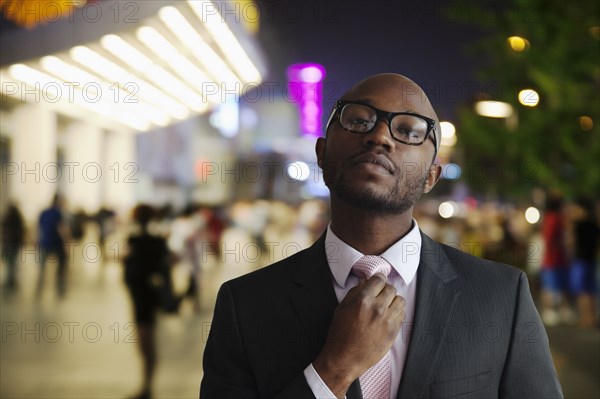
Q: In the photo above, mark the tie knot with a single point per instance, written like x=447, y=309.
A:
x=368, y=265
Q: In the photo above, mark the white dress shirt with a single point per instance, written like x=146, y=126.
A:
x=404, y=256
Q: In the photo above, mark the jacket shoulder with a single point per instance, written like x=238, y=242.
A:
x=473, y=269
x=467, y=258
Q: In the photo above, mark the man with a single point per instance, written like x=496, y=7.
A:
x=52, y=233
x=13, y=236
x=441, y=324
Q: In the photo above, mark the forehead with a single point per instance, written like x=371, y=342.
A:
x=392, y=94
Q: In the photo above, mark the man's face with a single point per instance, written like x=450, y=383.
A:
x=372, y=171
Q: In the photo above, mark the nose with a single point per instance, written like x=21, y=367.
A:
x=380, y=135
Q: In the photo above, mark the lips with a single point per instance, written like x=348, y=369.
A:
x=376, y=159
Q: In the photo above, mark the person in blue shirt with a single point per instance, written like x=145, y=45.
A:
x=52, y=232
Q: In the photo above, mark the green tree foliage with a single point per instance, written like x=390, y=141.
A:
x=547, y=146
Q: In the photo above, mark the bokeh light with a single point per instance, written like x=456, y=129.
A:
x=586, y=123
x=447, y=209
x=532, y=215
x=451, y=171
x=448, y=129
x=494, y=109
x=298, y=171
x=518, y=43
x=529, y=97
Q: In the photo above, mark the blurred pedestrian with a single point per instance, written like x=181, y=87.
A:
x=77, y=222
x=555, y=266
x=583, y=267
x=53, y=233
x=105, y=220
x=147, y=276
x=215, y=227
x=187, y=232
x=13, y=233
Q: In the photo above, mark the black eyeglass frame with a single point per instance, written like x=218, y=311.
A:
x=381, y=114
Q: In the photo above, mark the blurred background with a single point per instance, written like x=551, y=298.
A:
x=207, y=113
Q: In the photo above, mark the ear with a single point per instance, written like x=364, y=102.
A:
x=320, y=151
x=435, y=171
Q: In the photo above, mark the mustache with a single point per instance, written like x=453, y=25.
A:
x=375, y=157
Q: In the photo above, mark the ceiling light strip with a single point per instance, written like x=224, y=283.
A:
x=180, y=64
x=230, y=47
x=189, y=37
x=114, y=73
x=43, y=82
x=166, y=81
x=118, y=96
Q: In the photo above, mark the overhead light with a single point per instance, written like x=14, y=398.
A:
x=26, y=74
x=65, y=71
x=137, y=60
x=186, y=33
x=44, y=82
x=165, y=50
x=100, y=65
x=112, y=94
x=176, y=88
x=172, y=66
x=230, y=47
x=114, y=73
x=494, y=109
x=126, y=52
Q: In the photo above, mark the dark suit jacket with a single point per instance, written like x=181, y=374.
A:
x=475, y=333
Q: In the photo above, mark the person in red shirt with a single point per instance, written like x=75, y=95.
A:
x=555, y=272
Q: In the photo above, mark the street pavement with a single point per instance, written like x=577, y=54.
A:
x=84, y=345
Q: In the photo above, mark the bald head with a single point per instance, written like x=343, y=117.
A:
x=394, y=93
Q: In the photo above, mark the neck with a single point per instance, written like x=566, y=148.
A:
x=368, y=231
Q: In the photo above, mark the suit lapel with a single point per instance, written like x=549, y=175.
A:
x=314, y=300
x=313, y=296
x=435, y=303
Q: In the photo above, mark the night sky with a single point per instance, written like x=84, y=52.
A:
x=354, y=39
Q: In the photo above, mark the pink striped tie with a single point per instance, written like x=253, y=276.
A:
x=376, y=382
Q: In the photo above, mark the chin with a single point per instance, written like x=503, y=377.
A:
x=370, y=200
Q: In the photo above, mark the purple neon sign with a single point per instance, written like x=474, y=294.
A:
x=306, y=87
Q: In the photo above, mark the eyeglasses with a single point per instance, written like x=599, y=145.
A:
x=405, y=127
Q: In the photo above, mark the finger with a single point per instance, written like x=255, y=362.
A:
x=356, y=288
x=397, y=304
x=400, y=300
x=381, y=276
x=395, y=316
x=387, y=295
x=375, y=284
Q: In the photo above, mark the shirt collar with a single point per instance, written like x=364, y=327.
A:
x=404, y=255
